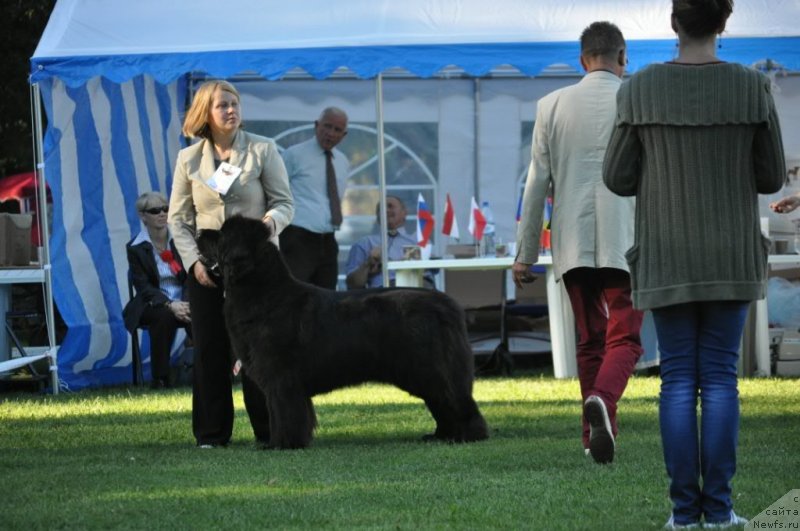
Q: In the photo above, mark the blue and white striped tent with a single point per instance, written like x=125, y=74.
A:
x=113, y=76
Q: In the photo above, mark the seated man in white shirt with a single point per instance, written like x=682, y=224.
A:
x=364, y=261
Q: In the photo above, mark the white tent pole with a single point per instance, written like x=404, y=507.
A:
x=477, y=139
x=382, y=179
x=43, y=219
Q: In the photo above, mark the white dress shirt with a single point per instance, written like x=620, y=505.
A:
x=305, y=165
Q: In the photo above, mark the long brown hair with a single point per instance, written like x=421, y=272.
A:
x=196, y=122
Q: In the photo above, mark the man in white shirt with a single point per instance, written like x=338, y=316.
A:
x=317, y=174
x=591, y=230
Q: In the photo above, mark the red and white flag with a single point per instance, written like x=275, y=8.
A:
x=477, y=222
x=425, y=222
x=450, y=223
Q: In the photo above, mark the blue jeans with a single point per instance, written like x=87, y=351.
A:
x=699, y=345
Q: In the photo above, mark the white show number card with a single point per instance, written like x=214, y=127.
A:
x=223, y=178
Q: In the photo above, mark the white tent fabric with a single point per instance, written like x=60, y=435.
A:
x=113, y=76
x=120, y=39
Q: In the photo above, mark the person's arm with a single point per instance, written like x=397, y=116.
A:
x=182, y=215
x=622, y=164
x=275, y=181
x=769, y=164
x=360, y=265
x=142, y=284
x=787, y=204
x=358, y=277
x=537, y=185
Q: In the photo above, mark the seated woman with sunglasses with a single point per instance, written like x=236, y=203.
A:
x=158, y=278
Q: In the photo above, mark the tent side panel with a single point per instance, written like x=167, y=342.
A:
x=93, y=162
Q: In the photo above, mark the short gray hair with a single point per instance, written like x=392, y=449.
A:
x=150, y=200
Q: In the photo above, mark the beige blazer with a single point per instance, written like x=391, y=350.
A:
x=590, y=226
x=261, y=190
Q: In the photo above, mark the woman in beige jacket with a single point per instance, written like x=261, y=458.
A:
x=201, y=200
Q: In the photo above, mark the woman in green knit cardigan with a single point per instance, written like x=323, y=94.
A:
x=696, y=141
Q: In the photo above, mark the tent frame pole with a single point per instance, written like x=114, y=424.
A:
x=44, y=243
x=382, y=178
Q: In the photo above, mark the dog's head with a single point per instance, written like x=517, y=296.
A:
x=240, y=250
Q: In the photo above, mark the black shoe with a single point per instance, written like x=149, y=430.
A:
x=160, y=383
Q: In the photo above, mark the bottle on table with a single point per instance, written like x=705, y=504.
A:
x=487, y=242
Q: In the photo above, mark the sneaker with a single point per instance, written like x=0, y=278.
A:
x=586, y=452
x=210, y=446
x=672, y=525
x=734, y=519
x=601, y=438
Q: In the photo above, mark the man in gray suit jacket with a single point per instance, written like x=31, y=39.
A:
x=591, y=229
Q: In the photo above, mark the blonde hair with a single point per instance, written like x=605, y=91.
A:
x=150, y=200
x=196, y=122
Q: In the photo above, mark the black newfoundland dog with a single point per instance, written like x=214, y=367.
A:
x=297, y=340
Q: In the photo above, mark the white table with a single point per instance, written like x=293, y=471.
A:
x=408, y=273
x=29, y=275
x=562, y=321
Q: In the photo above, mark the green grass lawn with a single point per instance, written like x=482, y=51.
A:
x=125, y=458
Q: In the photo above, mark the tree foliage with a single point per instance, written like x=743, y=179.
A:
x=21, y=26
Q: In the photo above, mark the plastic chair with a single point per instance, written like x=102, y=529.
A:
x=136, y=353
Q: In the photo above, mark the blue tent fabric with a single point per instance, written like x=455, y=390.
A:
x=367, y=62
x=98, y=134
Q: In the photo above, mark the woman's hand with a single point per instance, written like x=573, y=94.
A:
x=181, y=311
x=202, y=276
x=786, y=205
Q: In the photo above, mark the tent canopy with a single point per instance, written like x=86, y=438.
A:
x=112, y=75
x=120, y=39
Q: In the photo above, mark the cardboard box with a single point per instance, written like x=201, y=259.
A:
x=787, y=368
x=15, y=239
x=461, y=250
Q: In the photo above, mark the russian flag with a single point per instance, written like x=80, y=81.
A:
x=476, y=221
x=450, y=223
x=519, y=208
x=424, y=222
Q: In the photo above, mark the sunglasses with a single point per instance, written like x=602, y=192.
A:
x=156, y=210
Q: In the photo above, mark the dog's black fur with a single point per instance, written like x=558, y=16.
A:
x=296, y=340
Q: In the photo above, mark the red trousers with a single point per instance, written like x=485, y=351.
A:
x=608, y=334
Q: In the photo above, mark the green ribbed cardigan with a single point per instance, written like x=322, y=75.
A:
x=696, y=144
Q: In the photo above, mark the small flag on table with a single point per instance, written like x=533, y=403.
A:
x=477, y=222
x=424, y=222
x=450, y=223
